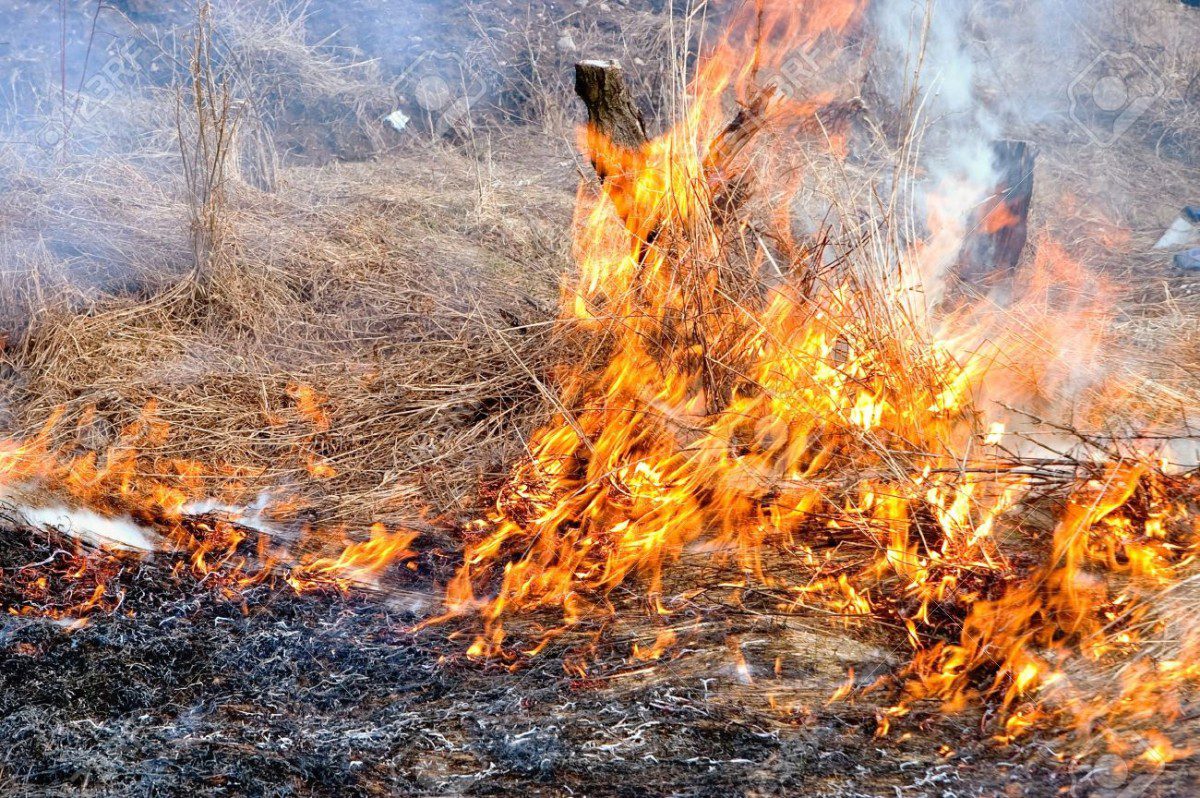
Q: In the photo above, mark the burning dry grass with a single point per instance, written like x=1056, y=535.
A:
x=416, y=338
x=736, y=422
x=359, y=339
x=753, y=394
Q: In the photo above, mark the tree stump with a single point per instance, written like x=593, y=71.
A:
x=998, y=230
x=612, y=113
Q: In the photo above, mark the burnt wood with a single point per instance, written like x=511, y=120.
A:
x=612, y=112
x=999, y=229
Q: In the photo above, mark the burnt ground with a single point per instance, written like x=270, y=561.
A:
x=184, y=687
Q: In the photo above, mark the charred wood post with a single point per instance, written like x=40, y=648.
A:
x=616, y=129
x=617, y=139
x=998, y=230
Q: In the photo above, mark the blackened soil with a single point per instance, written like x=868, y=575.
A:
x=186, y=689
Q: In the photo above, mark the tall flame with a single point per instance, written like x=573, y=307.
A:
x=747, y=397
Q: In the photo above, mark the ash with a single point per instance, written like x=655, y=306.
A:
x=183, y=690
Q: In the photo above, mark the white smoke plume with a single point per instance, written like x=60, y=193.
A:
x=979, y=72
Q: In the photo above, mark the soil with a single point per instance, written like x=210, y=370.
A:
x=186, y=688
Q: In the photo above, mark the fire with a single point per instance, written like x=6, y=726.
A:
x=662, y=643
x=722, y=405
x=1000, y=217
x=746, y=401
x=358, y=563
x=767, y=405
x=125, y=503
x=311, y=405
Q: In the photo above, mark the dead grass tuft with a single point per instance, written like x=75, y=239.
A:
x=419, y=336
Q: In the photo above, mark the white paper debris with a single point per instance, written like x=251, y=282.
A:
x=398, y=120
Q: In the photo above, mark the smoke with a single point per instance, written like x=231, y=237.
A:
x=121, y=532
x=97, y=117
x=976, y=73
x=931, y=41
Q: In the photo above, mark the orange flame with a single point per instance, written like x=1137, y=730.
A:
x=745, y=404
x=127, y=481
